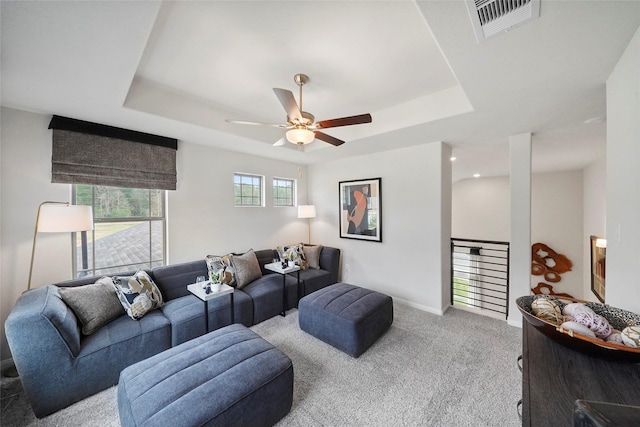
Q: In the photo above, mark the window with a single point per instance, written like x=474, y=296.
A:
x=247, y=190
x=129, y=230
x=283, y=192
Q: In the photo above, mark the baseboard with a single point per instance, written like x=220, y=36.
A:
x=419, y=306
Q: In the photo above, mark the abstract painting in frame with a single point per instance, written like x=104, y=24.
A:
x=598, y=260
x=361, y=209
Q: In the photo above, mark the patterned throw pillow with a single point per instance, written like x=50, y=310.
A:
x=247, y=268
x=138, y=294
x=94, y=305
x=312, y=254
x=293, y=253
x=222, y=264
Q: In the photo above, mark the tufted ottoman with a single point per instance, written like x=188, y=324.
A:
x=348, y=317
x=228, y=377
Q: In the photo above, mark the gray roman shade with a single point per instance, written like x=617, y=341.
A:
x=90, y=153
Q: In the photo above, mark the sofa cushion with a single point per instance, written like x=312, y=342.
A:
x=138, y=294
x=266, y=293
x=94, y=305
x=173, y=279
x=216, y=263
x=115, y=346
x=293, y=253
x=312, y=255
x=246, y=267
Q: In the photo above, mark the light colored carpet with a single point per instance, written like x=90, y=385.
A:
x=453, y=370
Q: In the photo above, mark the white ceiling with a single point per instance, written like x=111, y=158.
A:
x=179, y=69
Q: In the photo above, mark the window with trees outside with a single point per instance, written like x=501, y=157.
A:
x=247, y=189
x=129, y=230
x=283, y=192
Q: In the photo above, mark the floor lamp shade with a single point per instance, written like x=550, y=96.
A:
x=307, y=211
x=60, y=217
x=64, y=218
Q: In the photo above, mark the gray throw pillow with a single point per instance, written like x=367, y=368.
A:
x=312, y=254
x=246, y=267
x=94, y=305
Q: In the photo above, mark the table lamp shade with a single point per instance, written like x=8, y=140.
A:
x=60, y=218
x=306, y=211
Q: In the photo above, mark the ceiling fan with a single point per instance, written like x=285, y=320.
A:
x=302, y=125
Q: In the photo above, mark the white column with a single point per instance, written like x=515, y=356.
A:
x=520, y=240
x=623, y=181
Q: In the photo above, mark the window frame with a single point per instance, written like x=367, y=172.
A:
x=261, y=200
x=150, y=219
x=294, y=192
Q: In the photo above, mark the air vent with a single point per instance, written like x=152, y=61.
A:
x=491, y=17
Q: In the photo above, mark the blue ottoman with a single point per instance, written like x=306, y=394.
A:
x=348, y=317
x=228, y=377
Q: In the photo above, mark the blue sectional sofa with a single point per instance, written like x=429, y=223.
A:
x=58, y=365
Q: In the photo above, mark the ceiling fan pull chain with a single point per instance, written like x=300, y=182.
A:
x=301, y=110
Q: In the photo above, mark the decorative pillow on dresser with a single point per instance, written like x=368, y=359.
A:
x=246, y=267
x=138, y=294
x=94, y=305
x=312, y=254
x=222, y=264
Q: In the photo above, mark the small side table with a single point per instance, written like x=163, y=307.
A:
x=197, y=290
x=276, y=267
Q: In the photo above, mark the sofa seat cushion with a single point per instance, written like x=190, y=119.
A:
x=267, y=294
x=117, y=345
x=228, y=377
x=186, y=315
x=313, y=280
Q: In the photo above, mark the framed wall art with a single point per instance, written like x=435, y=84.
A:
x=361, y=209
x=598, y=260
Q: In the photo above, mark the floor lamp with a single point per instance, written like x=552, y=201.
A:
x=56, y=217
x=60, y=217
x=307, y=211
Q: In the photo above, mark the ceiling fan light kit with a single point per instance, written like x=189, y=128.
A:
x=300, y=136
x=302, y=125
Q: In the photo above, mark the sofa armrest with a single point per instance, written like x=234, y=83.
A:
x=330, y=261
x=44, y=339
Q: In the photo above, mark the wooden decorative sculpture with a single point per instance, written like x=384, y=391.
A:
x=550, y=264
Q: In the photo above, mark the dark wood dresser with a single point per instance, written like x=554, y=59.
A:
x=554, y=377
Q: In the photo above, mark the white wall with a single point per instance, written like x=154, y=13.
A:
x=410, y=261
x=556, y=220
x=202, y=219
x=481, y=211
x=594, y=224
x=623, y=180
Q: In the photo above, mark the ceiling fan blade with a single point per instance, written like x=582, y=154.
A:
x=344, y=121
x=248, y=122
x=288, y=102
x=280, y=142
x=328, y=138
